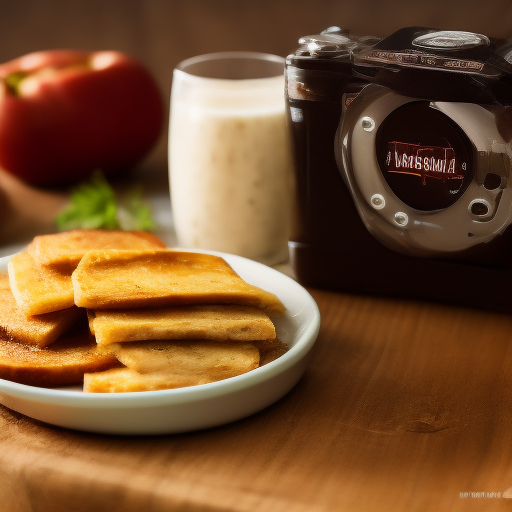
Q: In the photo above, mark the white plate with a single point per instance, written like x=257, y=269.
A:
x=191, y=408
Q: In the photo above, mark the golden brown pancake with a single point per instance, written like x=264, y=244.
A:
x=64, y=362
x=171, y=364
x=130, y=279
x=126, y=379
x=271, y=350
x=40, y=330
x=67, y=248
x=39, y=290
x=215, y=359
x=122, y=380
x=211, y=322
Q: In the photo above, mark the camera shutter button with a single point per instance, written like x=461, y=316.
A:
x=328, y=43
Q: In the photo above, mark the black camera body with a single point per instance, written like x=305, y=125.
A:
x=403, y=164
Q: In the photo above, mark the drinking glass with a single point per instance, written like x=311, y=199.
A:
x=229, y=155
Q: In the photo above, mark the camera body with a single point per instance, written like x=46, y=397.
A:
x=403, y=164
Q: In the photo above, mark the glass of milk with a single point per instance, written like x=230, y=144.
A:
x=229, y=155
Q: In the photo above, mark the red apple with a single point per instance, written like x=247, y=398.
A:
x=66, y=113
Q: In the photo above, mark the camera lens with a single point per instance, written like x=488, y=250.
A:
x=425, y=158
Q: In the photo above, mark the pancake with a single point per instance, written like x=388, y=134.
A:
x=40, y=330
x=130, y=279
x=172, y=364
x=194, y=357
x=39, y=290
x=64, y=362
x=67, y=248
x=221, y=323
x=122, y=380
x=271, y=350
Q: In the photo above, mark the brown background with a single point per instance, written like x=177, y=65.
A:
x=163, y=32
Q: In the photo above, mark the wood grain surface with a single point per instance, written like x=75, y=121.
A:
x=405, y=406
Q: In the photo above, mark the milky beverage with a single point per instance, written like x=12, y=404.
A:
x=230, y=167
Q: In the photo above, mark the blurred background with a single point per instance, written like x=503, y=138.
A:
x=161, y=33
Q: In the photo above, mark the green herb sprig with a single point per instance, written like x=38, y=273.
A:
x=94, y=205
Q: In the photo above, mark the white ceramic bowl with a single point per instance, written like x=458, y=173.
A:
x=191, y=408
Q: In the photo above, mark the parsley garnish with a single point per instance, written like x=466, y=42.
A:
x=94, y=205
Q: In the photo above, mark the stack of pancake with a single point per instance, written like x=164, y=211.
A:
x=120, y=312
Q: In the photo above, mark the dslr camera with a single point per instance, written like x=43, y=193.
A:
x=403, y=155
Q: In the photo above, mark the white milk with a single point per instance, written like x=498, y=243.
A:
x=230, y=167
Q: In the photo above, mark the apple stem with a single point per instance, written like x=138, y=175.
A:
x=13, y=80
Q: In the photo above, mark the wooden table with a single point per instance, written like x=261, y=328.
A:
x=405, y=406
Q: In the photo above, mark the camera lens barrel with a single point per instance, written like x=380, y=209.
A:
x=427, y=178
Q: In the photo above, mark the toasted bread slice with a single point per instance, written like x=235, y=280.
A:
x=221, y=323
x=195, y=357
x=40, y=330
x=127, y=379
x=63, y=362
x=270, y=350
x=171, y=364
x=67, y=248
x=122, y=380
x=39, y=290
x=131, y=279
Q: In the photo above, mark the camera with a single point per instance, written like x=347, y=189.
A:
x=402, y=152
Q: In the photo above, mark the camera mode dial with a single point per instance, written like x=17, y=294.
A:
x=450, y=40
x=334, y=42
